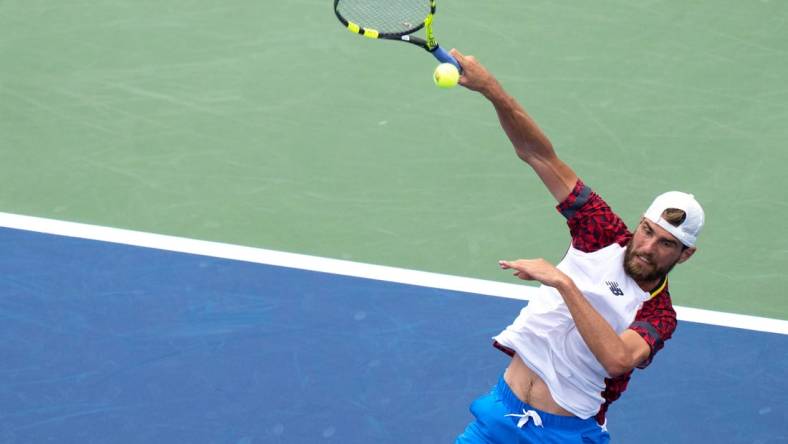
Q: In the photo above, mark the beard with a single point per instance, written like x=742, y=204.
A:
x=644, y=272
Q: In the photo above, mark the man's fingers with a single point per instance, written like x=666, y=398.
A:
x=512, y=264
x=523, y=275
x=461, y=60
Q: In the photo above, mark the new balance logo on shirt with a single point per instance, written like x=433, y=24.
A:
x=614, y=288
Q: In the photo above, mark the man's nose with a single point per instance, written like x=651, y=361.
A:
x=649, y=246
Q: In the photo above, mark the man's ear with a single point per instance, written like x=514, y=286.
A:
x=686, y=254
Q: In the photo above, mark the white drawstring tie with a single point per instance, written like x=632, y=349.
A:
x=527, y=414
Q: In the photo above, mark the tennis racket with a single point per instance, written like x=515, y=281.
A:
x=393, y=20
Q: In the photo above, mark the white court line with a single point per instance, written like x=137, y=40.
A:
x=341, y=267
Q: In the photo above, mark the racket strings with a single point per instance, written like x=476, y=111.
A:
x=385, y=16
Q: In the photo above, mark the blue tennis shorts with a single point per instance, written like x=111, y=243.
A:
x=502, y=418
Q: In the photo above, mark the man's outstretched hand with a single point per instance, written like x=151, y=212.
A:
x=536, y=270
x=474, y=75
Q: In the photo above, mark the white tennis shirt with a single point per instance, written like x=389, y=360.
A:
x=545, y=337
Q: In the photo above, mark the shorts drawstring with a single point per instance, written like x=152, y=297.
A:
x=527, y=414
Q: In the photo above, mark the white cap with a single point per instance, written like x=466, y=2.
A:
x=688, y=230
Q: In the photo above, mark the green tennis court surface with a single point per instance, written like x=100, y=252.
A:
x=266, y=124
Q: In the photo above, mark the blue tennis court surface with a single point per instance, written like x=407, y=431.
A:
x=104, y=342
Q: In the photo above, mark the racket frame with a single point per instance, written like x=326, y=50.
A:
x=429, y=43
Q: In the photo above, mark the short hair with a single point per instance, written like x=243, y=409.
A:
x=674, y=216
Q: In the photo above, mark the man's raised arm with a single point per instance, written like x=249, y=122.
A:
x=530, y=143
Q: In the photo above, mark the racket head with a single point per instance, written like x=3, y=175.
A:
x=387, y=19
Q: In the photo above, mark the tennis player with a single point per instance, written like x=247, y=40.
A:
x=601, y=312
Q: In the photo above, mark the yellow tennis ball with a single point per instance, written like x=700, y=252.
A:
x=446, y=75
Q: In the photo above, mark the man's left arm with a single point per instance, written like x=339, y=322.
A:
x=618, y=354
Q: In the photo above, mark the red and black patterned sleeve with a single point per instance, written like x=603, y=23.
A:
x=592, y=224
x=655, y=322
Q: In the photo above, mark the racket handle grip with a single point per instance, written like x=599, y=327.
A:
x=445, y=57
